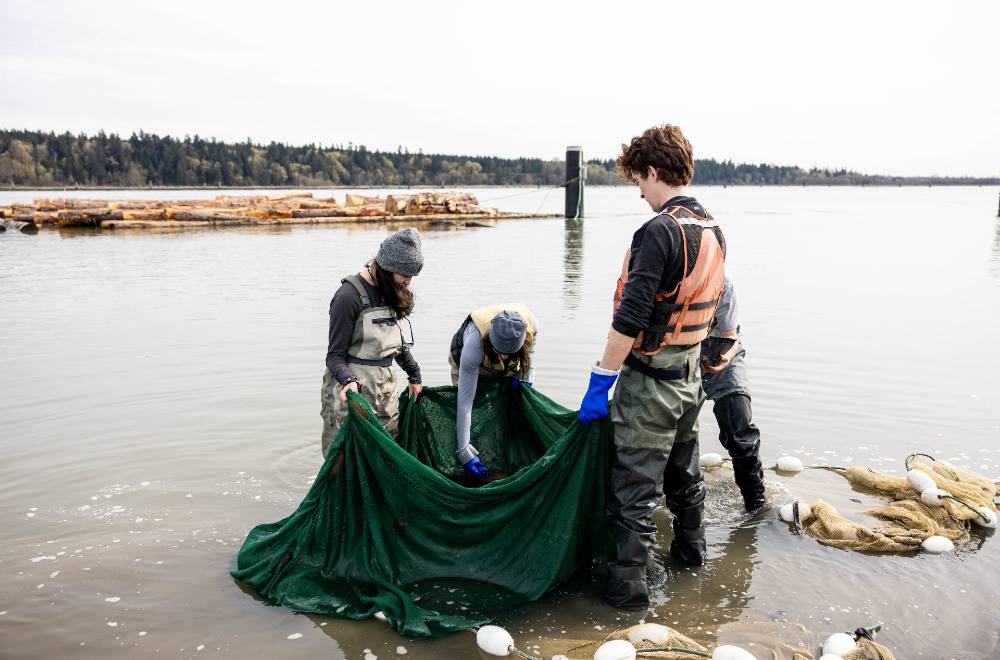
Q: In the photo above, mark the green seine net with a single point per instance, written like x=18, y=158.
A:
x=391, y=526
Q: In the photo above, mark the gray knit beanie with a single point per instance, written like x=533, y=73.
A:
x=507, y=332
x=401, y=253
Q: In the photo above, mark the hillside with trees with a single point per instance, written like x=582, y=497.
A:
x=39, y=159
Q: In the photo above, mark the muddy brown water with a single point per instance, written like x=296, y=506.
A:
x=160, y=396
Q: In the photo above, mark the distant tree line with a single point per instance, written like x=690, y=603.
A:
x=34, y=158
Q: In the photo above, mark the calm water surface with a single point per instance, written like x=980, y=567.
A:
x=161, y=396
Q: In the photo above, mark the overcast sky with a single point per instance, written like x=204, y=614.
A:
x=880, y=87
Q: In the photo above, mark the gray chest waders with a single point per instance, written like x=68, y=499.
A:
x=376, y=340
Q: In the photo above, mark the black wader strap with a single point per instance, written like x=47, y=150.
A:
x=384, y=362
x=366, y=302
x=674, y=307
x=679, y=373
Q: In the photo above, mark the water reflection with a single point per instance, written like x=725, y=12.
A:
x=572, y=263
x=995, y=257
x=718, y=591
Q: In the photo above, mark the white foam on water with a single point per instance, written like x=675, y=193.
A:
x=112, y=599
x=142, y=633
x=200, y=647
x=41, y=586
x=53, y=575
x=295, y=636
x=113, y=624
x=35, y=560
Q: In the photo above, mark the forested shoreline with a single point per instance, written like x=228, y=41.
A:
x=40, y=159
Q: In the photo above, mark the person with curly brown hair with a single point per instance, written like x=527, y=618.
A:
x=671, y=281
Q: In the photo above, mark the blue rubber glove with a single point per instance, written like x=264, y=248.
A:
x=516, y=382
x=595, y=402
x=475, y=468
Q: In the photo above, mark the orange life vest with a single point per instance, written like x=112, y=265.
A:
x=683, y=316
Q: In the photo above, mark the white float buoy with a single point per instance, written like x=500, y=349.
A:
x=919, y=480
x=616, y=649
x=494, y=640
x=649, y=633
x=937, y=544
x=727, y=652
x=932, y=496
x=789, y=464
x=787, y=512
x=989, y=514
x=838, y=644
x=710, y=460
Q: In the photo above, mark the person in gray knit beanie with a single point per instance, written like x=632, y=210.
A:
x=402, y=253
x=366, y=336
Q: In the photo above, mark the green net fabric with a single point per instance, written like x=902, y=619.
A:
x=390, y=525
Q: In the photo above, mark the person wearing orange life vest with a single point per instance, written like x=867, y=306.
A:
x=671, y=280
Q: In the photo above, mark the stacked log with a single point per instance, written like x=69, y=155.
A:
x=431, y=203
x=396, y=204
x=361, y=200
x=224, y=210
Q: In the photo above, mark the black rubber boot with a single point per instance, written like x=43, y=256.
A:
x=634, y=491
x=685, y=491
x=741, y=438
x=627, y=588
x=688, y=545
x=750, y=479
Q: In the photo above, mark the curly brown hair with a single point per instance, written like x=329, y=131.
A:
x=665, y=149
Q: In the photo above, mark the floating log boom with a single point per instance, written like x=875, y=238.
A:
x=458, y=209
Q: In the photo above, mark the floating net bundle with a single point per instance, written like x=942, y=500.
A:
x=935, y=499
x=775, y=640
x=646, y=637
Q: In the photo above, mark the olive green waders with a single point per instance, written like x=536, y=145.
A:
x=376, y=340
x=655, y=414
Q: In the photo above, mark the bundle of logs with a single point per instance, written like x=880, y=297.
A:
x=289, y=208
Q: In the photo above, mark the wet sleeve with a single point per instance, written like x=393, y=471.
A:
x=531, y=352
x=344, y=311
x=655, y=247
x=468, y=380
x=408, y=363
x=726, y=312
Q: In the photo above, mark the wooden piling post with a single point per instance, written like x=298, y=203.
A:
x=575, y=176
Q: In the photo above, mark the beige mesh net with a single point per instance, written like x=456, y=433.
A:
x=649, y=636
x=869, y=650
x=773, y=640
x=907, y=521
